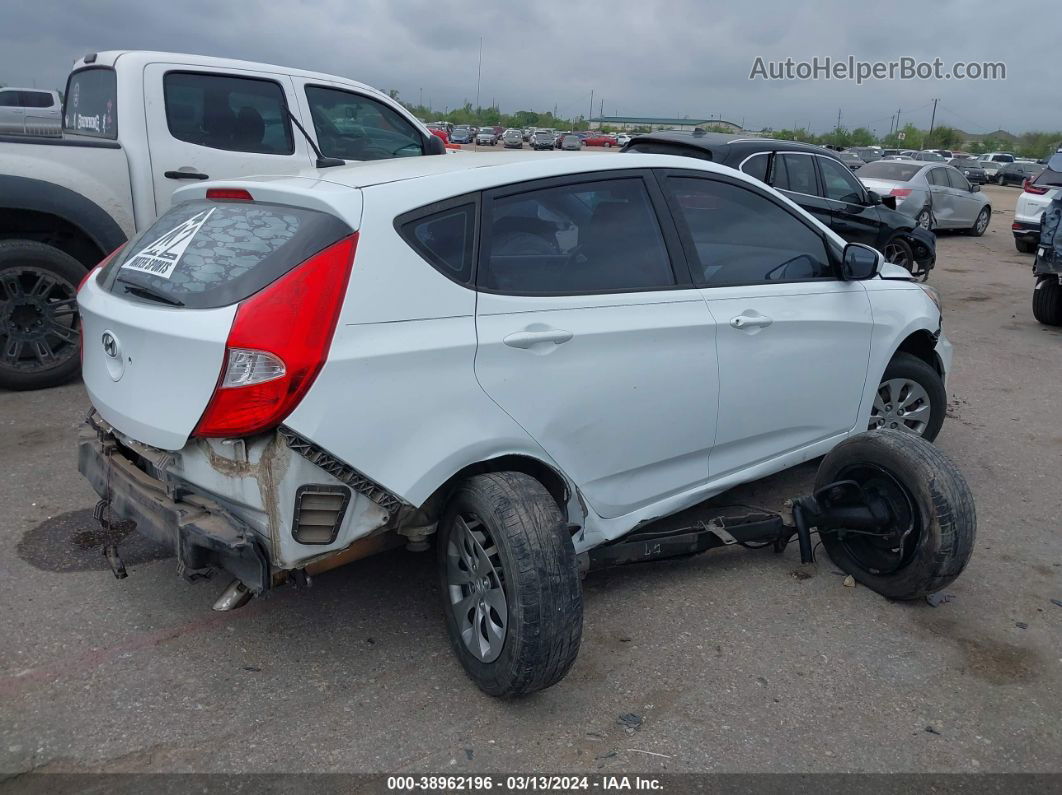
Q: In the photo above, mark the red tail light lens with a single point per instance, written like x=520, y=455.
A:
x=1028, y=187
x=902, y=193
x=278, y=343
x=231, y=194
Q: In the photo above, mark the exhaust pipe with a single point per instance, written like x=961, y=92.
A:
x=236, y=595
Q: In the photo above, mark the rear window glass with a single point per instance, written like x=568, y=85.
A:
x=1049, y=177
x=890, y=169
x=91, y=103
x=206, y=254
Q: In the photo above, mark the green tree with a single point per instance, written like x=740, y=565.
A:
x=861, y=136
x=943, y=137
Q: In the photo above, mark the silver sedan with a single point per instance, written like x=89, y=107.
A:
x=936, y=195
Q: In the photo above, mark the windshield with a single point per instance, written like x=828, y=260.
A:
x=91, y=96
x=896, y=170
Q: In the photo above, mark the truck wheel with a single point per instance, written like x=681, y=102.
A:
x=510, y=584
x=910, y=398
x=1047, y=301
x=39, y=325
x=1025, y=245
x=934, y=519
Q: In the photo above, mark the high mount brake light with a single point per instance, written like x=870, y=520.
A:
x=278, y=342
x=231, y=194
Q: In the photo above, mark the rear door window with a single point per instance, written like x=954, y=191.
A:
x=795, y=173
x=937, y=176
x=756, y=166
x=585, y=237
x=355, y=127
x=238, y=114
x=206, y=254
x=9, y=99
x=91, y=103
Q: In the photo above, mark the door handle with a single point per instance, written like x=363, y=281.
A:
x=525, y=339
x=750, y=321
x=185, y=175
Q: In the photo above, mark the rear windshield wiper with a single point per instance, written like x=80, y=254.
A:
x=147, y=292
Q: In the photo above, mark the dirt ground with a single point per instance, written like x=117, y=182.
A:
x=733, y=661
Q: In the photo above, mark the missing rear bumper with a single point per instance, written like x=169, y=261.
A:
x=203, y=536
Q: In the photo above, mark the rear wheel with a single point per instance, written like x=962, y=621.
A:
x=39, y=328
x=925, y=218
x=1025, y=245
x=510, y=584
x=911, y=398
x=1047, y=301
x=931, y=534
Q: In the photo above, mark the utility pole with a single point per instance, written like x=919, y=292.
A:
x=898, y=119
x=601, y=109
x=933, y=118
x=838, y=118
x=420, y=102
x=591, y=109
x=479, y=72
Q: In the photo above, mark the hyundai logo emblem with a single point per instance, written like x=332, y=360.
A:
x=110, y=345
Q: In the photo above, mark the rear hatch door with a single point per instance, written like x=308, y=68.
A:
x=156, y=319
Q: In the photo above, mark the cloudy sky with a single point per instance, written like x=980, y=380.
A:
x=664, y=58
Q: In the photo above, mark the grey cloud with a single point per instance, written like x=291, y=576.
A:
x=660, y=59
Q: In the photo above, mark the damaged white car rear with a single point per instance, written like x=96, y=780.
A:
x=523, y=364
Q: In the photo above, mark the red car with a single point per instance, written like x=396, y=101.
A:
x=600, y=139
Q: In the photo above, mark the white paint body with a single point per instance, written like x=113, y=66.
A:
x=656, y=403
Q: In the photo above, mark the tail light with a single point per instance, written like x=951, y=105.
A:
x=1028, y=187
x=901, y=193
x=277, y=345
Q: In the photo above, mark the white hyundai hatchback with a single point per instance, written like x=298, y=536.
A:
x=524, y=361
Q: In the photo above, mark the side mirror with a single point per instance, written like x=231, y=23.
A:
x=434, y=146
x=889, y=201
x=859, y=262
x=874, y=198
x=974, y=187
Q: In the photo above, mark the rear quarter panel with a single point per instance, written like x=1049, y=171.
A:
x=398, y=397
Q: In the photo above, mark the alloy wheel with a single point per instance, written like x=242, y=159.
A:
x=39, y=326
x=903, y=405
x=898, y=254
x=982, y=222
x=476, y=584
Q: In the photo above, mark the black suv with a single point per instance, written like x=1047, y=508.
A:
x=817, y=180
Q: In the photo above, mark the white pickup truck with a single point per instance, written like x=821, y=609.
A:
x=137, y=126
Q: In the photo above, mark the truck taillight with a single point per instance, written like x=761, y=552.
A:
x=278, y=342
